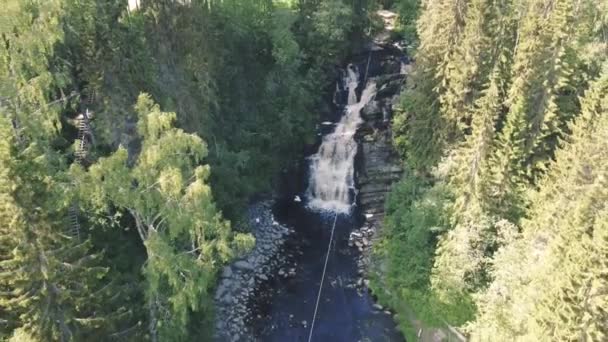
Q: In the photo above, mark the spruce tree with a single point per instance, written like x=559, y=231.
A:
x=440, y=28
x=420, y=131
x=473, y=235
x=472, y=157
x=28, y=77
x=542, y=76
x=54, y=285
x=550, y=282
x=488, y=32
x=417, y=124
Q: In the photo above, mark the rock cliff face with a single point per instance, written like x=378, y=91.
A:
x=379, y=166
x=380, y=169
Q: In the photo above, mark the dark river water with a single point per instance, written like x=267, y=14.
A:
x=345, y=313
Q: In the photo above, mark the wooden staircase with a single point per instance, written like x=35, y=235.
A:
x=74, y=226
x=81, y=151
x=84, y=134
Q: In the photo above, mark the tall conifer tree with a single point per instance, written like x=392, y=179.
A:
x=550, y=283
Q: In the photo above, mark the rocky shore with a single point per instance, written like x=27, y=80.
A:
x=240, y=280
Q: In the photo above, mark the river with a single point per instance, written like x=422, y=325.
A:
x=284, y=308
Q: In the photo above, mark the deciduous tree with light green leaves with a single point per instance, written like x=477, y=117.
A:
x=166, y=193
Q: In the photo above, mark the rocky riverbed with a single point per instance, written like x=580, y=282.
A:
x=240, y=281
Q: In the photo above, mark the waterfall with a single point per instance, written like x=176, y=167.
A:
x=331, y=180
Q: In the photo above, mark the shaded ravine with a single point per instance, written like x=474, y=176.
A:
x=284, y=306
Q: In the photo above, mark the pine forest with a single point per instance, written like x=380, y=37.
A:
x=175, y=170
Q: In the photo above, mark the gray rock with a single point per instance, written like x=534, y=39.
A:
x=371, y=111
x=219, y=293
x=227, y=272
x=227, y=299
x=242, y=264
x=390, y=88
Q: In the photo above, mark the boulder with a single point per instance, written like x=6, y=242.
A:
x=227, y=272
x=372, y=111
x=242, y=264
x=228, y=299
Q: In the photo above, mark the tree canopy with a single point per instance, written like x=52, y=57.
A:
x=115, y=224
x=501, y=131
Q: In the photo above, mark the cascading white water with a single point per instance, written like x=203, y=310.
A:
x=332, y=167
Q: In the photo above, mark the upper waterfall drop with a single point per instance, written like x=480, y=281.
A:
x=332, y=169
